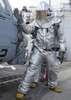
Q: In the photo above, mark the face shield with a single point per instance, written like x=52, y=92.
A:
x=41, y=14
x=41, y=10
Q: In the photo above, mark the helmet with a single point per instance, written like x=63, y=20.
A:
x=43, y=6
x=42, y=10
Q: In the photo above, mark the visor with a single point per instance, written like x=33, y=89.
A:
x=41, y=14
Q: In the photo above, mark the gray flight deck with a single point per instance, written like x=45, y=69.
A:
x=41, y=92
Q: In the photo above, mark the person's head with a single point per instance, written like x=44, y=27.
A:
x=42, y=10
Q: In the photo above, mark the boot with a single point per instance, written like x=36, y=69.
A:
x=56, y=89
x=19, y=95
x=41, y=80
x=33, y=85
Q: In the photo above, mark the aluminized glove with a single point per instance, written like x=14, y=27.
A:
x=17, y=15
x=61, y=56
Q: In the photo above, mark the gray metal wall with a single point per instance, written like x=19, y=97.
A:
x=66, y=21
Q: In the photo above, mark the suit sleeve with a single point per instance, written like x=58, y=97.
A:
x=28, y=28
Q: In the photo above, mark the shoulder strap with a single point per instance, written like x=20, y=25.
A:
x=35, y=32
x=36, y=29
x=56, y=27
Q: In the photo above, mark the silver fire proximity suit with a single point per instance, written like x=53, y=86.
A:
x=42, y=50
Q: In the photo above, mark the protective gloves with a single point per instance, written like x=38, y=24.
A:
x=61, y=56
x=18, y=16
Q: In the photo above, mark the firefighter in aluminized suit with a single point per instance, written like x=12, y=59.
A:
x=43, y=49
